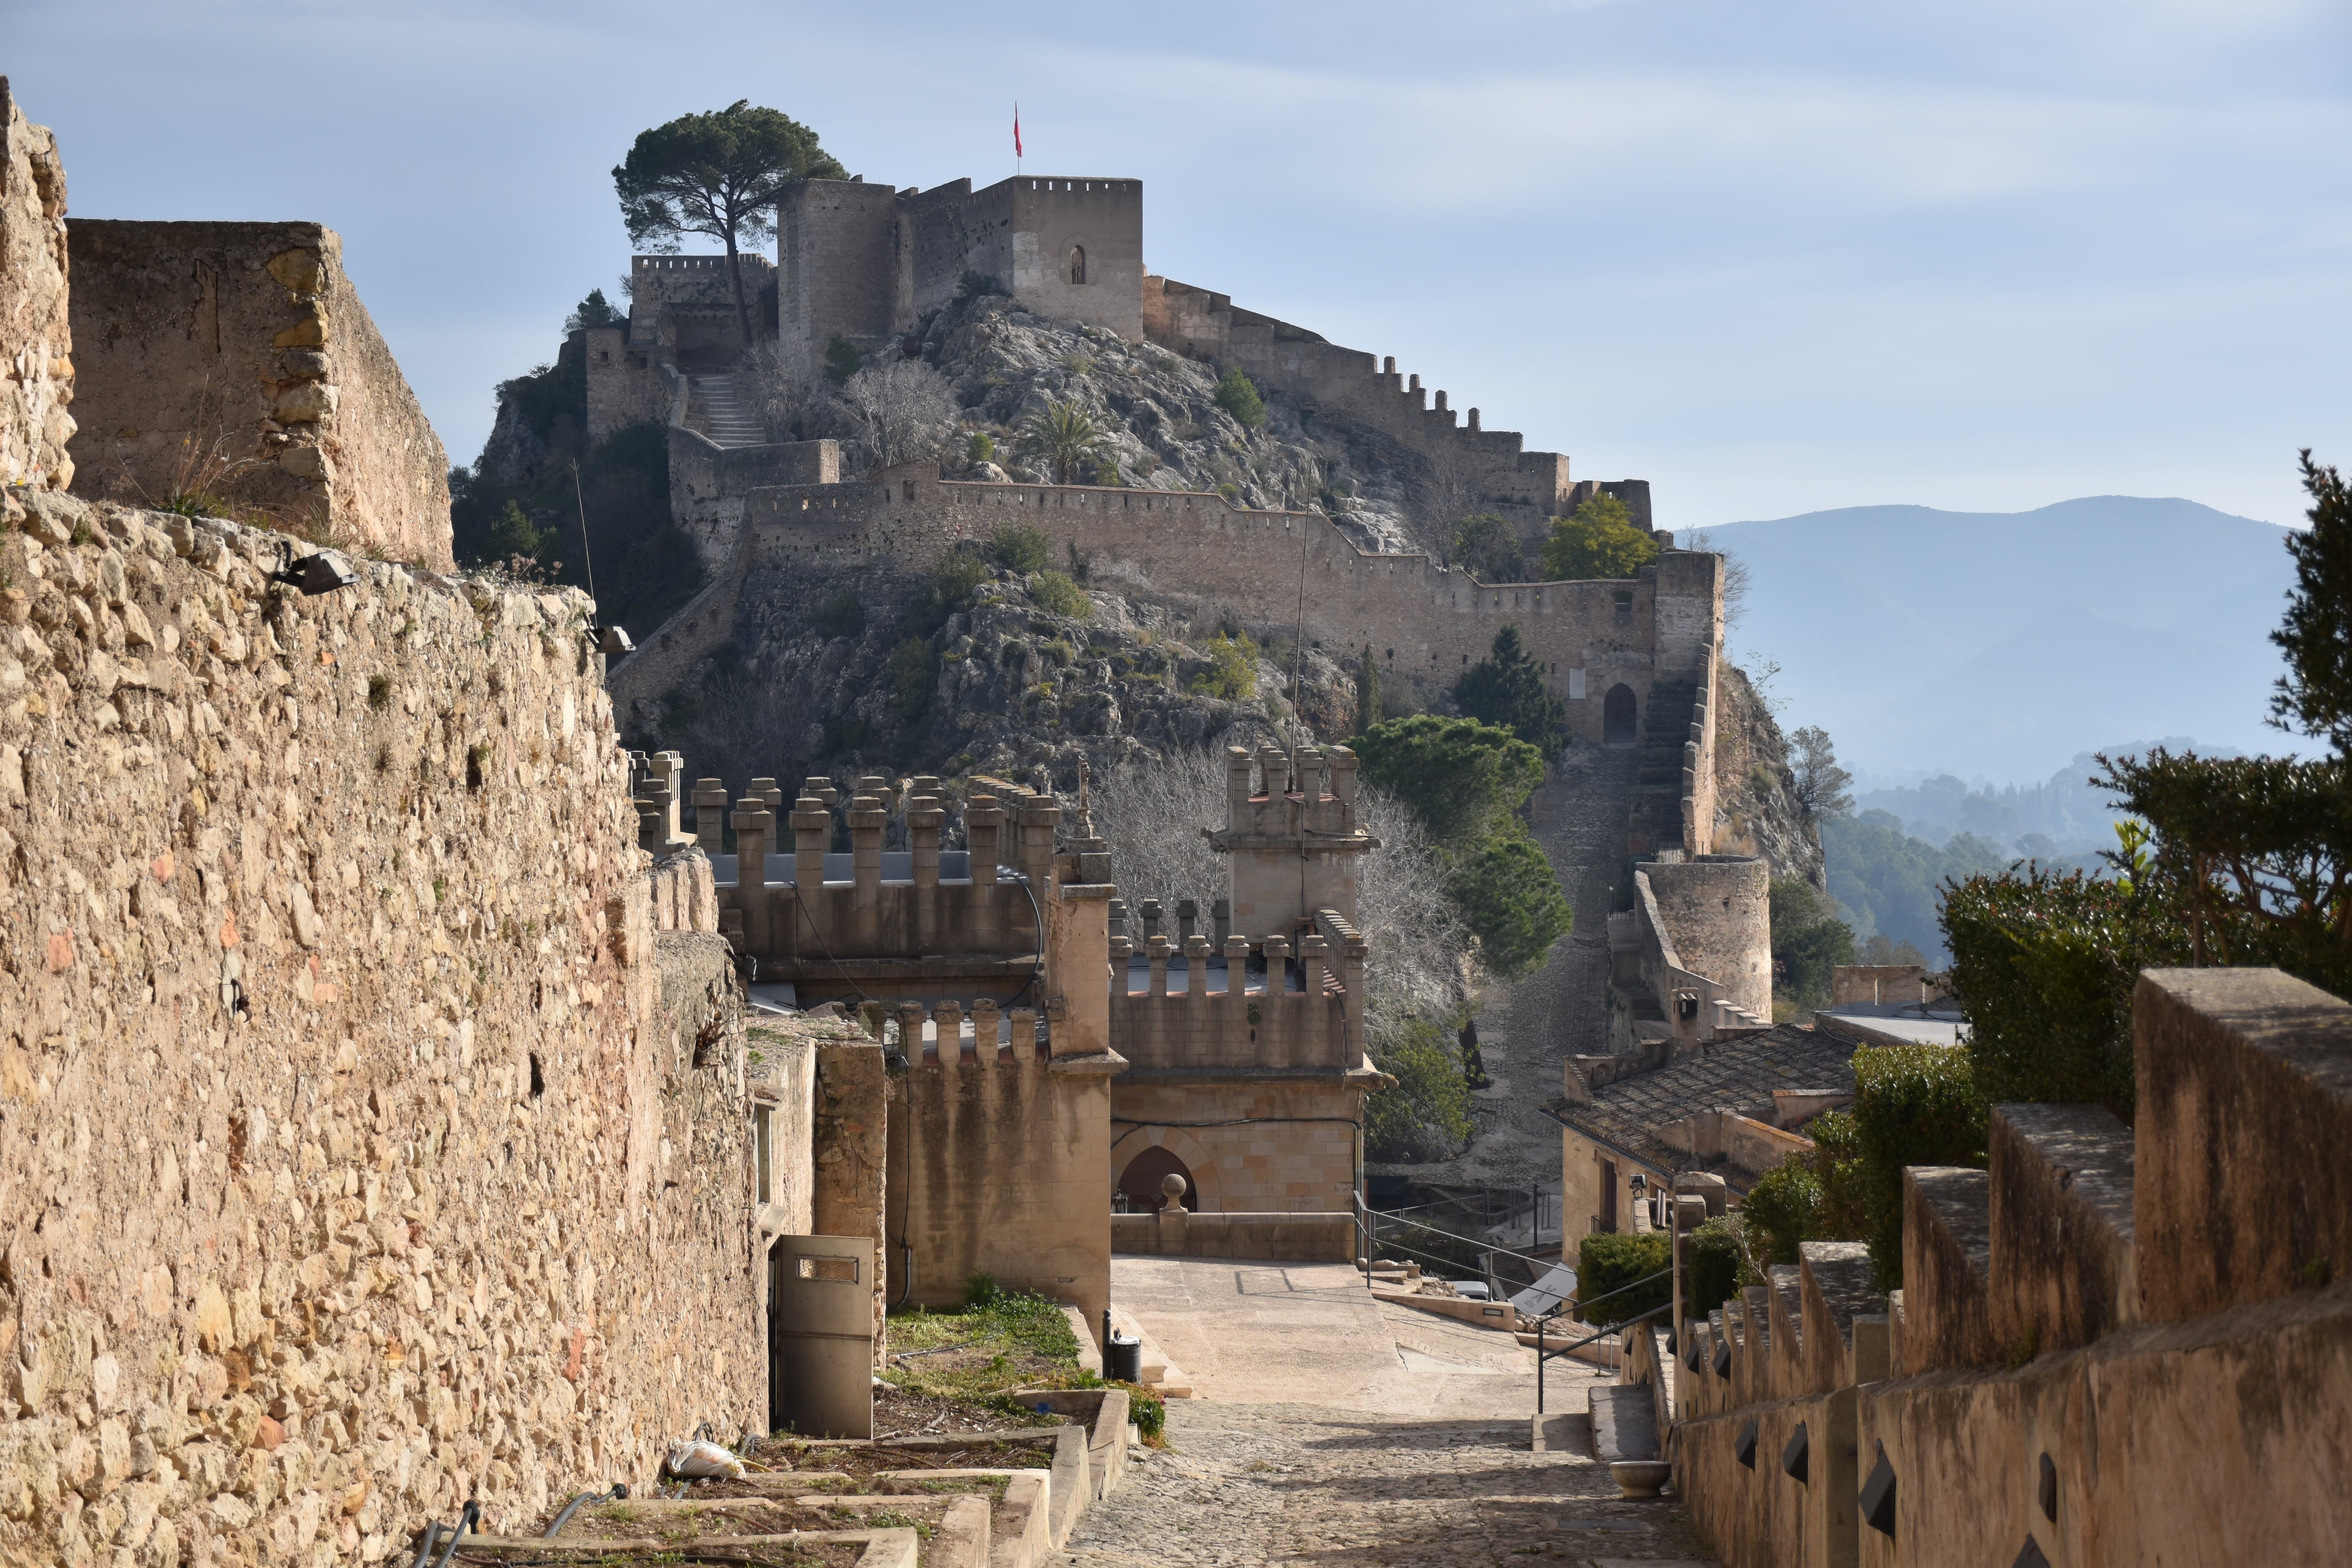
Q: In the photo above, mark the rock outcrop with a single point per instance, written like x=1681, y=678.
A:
x=1757, y=812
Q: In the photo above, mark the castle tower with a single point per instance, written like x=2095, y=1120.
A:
x=1291, y=840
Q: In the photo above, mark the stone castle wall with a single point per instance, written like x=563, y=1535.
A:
x=865, y=261
x=1203, y=551
x=363, y=1146
x=236, y=360
x=37, y=382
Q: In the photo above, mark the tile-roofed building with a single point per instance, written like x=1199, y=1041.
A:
x=1732, y=1107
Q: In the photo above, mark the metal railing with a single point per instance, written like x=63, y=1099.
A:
x=1543, y=1325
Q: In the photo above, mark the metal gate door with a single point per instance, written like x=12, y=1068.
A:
x=821, y=1336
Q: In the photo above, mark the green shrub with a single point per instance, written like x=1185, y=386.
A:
x=1912, y=1105
x=1711, y=1268
x=1783, y=1209
x=2044, y=967
x=1607, y=1263
x=1017, y=547
x=1461, y=778
x=841, y=615
x=1506, y=688
x=842, y=360
x=980, y=448
x=1232, y=668
x=1145, y=1409
x=1107, y=474
x=1057, y=595
x=1427, y=1115
x=1237, y=396
x=1807, y=942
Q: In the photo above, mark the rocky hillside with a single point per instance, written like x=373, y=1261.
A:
x=1755, y=812
x=1013, y=673
x=1162, y=427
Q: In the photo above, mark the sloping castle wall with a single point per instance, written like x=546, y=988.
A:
x=1663, y=628
x=37, y=382
x=363, y=1145
x=235, y=359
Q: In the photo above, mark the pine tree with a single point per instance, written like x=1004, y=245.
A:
x=1506, y=688
x=2315, y=696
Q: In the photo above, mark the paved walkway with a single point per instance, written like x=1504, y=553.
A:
x=1332, y=1428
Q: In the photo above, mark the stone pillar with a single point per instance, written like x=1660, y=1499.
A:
x=984, y=1017
x=1314, y=956
x=1188, y=920
x=910, y=1030
x=1274, y=769
x=766, y=790
x=1196, y=969
x=753, y=823
x=1157, y=950
x=983, y=824
x=1150, y=910
x=1024, y=1037
x=1234, y=1029
x=1039, y=819
x=867, y=821
x=812, y=832
x=1345, y=765
x=948, y=1020
x=1275, y=1029
x=1220, y=920
x=711, y=815
x=1238, y=784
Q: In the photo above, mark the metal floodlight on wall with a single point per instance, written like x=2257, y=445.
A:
x=613, y=642
x=1743, y=1449
x=1796, y=1458
x=1877, y=1498
x=1722, y=1358
x=2030, y=1555
x=319, y=574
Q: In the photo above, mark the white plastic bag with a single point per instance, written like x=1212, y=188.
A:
x=695, y=1461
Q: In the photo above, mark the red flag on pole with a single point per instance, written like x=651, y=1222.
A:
x=1016, y=131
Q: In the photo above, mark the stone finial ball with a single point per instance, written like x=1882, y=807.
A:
x=1172, y=1185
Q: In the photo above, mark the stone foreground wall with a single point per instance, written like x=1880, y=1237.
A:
x=36, y=376
x=236, y=360
x=363, y=1146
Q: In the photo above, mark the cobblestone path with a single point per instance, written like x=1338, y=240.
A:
x=1337, y=1428
x=1244, y=1484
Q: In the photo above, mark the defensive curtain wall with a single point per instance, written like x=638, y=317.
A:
x=436, y=1182
x=236, y=360
x=374, y=1120
x=2115, y=1345
x=1634, y=660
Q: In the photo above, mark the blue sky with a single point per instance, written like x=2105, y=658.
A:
x=1774, y=258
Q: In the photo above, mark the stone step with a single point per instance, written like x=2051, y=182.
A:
x=1624, y=1422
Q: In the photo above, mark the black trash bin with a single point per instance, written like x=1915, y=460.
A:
x=1123, y=1359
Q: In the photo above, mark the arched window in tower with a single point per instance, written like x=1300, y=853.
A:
x=1077, y=264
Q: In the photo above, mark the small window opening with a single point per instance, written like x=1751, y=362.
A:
x=762, y=1130
x=1077, y=264
x=538, y=1078
x=843, y=1269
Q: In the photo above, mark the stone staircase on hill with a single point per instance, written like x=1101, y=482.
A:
x=1654, y=821
x=714, y=409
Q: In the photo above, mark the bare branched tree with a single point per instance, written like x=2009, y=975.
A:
x=1155, y=817
x=1446, y=497
x=1734, y=576
x=901, y=410
x=791, y=403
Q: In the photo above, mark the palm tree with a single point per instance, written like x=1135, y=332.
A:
x=1063, y=435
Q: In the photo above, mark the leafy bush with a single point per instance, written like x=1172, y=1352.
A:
x=1107, y=474
x=1712, y=1265
x=1017, y=547
x=1510, y=898
x=1056, y=595
x=914, y=674
x=1807, y=942
x=1599, y=540
x=1487, y=547
x=1611, y=1262
x=842, y=360
x=1427, y=1115
x=841, y=615
x=1506, y=688
x=951, y=584
x=1237, y=396
x=1232, y=668
x=980, y=448
x=1912, y=1105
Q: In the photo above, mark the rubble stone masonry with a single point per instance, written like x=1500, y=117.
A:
x=35, y=344
x=363, y=1145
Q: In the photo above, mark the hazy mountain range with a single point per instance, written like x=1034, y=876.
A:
x=2001, y=645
